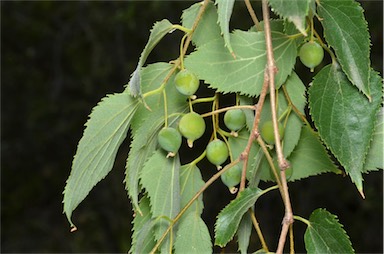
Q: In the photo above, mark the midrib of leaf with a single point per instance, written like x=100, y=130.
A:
x=122, y=125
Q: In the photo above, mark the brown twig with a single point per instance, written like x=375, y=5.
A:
x=283, y=164
x=253, y=14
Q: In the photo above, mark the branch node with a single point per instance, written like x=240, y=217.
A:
x=284, y=165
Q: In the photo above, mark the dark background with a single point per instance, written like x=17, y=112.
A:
x=58, y=59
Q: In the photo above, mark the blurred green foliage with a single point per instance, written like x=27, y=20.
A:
x=58, y=59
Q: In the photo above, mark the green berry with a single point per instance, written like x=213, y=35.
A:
x=311, y=54
x=169, y=139
x=234, y=119
x=267, y=134
x=217, y=152
x=192, y=127
x=232, y=176
x=186, y=82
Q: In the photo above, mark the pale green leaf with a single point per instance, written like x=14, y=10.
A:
x=190, y=183
x=346, y=31
x=224, y=10
x=193, y=236
x=143, y=239
x=375, y=160
x=244, y=233
x=160, y=177
x=294, y=10
x=207, y=29
x=159, y=30
x=229, y=218
x=213, y=63
x=105, y=130
x=325, y=234
x=344, y=117
x=146, y=124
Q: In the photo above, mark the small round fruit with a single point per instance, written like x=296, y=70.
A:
x=232, y=176
x=311, y=54
x=192, y=127
x=267, y=134
x=217, y=152
x=169, y=139
x=186, y=82
x=234, y=119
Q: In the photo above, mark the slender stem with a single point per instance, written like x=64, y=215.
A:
x=291, y=241
x=214, y=112
x=198, y=159
x=296, y=217
x=253, y=15
x=258, y=230
x=254, y=133
x=283, y=164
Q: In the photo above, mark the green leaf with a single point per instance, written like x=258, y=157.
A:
x=375, y=160
x=160, y=177
x=224, y=10
x=146, y=124
x=105, y=130
x=207, y=30
x=244, y=233
x=143, y=239
x=294, y=10
x=310, y=157
x=344, y=117
x=193, y=236
x=346, y=31
x=190, y=183
x=213, y=63
x=325, y=234
x=159, y=30
x=229, y=218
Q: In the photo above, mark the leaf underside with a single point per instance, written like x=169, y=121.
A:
x=224, y=10
x=105, y=130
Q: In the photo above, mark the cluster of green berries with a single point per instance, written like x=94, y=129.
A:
x=192, y=127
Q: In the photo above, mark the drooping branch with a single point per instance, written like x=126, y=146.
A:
x=283, y=164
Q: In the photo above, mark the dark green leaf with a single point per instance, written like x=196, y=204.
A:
x=229, y=218
x=105, y=130
x=325, y=234
x=344, y=117
x=375, y=160
x=346, y=31
x=213, y=63
x=244, y=233
x=294, y=10
x=193, y=236
x=224, y=10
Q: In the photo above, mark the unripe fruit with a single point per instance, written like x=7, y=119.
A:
x=217, y=152
x=192, y=127
x=267, y=134
x=311, y=54
x=170, y=140
x=234, y=119
x=232, y=176
x=186, y=82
